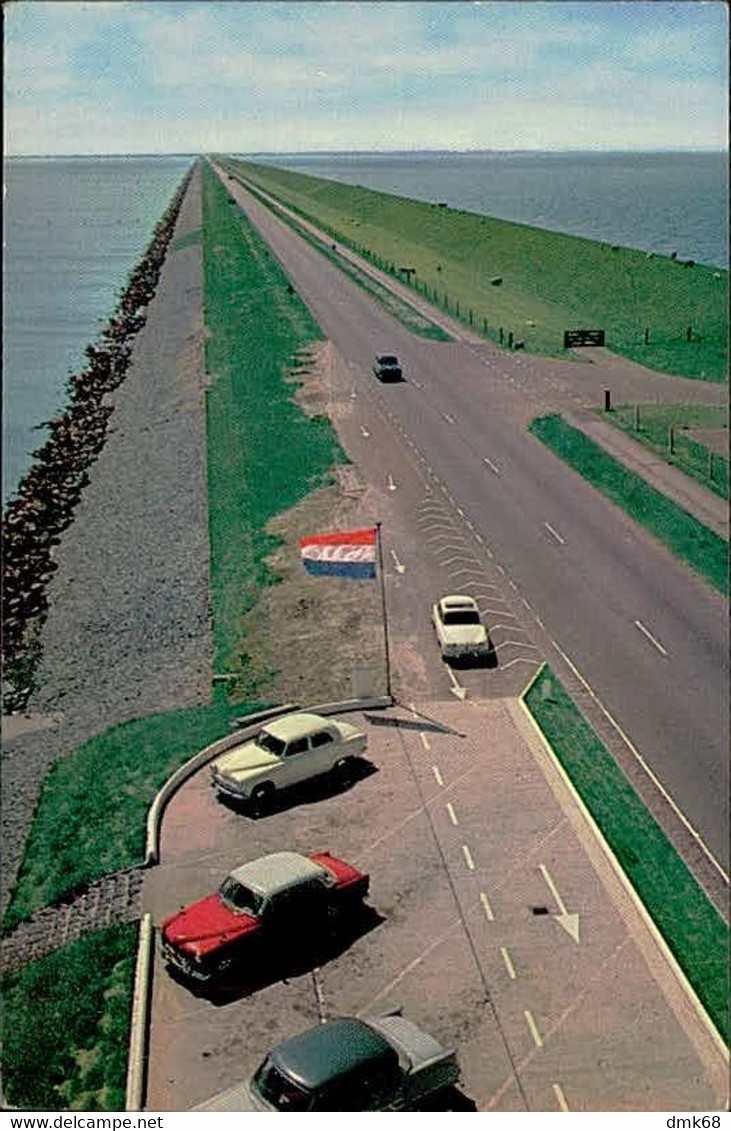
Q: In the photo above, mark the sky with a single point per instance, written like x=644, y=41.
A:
x=132, y=76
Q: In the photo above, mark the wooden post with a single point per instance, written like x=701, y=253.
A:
x=647, y=335
x=671, y=440
x=637, y=418
x=710, y=465
x=607, y=400
x=689, y=334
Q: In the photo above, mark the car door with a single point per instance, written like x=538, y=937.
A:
x=323, y=751
x=296, y=761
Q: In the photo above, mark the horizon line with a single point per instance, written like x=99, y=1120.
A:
x=370, y=152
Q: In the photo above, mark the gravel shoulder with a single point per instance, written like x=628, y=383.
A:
x=128, y=626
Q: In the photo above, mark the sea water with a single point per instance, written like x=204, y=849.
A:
x=74, y=228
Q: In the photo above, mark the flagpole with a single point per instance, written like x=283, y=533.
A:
x=383, y=604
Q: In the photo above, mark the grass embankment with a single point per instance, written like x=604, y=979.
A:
x=92, y=812
x=680, y=532
x=686, y=918
x=651, y=424
x=264, y=453
x=66, y=1022
x=550, y=282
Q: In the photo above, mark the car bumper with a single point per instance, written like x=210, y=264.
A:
x=230, y=789
x=183, y=965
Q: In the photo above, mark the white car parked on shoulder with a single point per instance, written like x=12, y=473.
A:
x=459, y=628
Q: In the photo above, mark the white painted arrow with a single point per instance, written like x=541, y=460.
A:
x=570, y=923
x=364, y=432
x=391, y=484
x=399, y=568
x=456, y=688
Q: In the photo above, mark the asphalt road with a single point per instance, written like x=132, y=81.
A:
x=648, y=635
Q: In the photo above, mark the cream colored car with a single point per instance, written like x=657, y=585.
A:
x=286, y=752
x=459, y=628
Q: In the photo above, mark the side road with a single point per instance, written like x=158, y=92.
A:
x=710, y=509
x=127, y=630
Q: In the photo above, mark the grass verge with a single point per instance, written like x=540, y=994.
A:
x=264, y=453
x=548, y=282
x=690, y=924
x=92, y=812
x=66, y=1023
x=680, y=532
x=651, y=424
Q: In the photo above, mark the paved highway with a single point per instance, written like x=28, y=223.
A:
x=649, y=636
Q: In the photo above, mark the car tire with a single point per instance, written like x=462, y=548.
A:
x=262, y=795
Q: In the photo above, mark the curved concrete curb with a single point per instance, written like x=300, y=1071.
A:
x=137, y=1059
x=154, y=817
x=624, y=880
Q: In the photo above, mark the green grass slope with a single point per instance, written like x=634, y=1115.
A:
x=66, y=1024
x=264, y=453
x=550, y=282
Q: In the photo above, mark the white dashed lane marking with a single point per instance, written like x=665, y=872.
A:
x=650, y=637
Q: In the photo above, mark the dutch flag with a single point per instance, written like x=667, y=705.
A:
x=344, y=553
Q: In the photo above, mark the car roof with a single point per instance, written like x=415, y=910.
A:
x=280, y=870
x=458, y=601
x=330, y=1051
x=295, y=726
x=386, y=357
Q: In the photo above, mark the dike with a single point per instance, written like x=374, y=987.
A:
x=106, y=545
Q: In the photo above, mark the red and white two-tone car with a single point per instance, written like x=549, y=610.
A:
x=262, y=903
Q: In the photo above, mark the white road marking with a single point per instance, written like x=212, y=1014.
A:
x=478, y=538
x=399, y=567
x=516, y=643
x=521, y=660
x=569, y=922
x=486, y=904
x=526, y=603
x=319, y=996
x=650, y=637
x=556, y=535
x=490, y=464
x=424, y=741
x=452, y=814
x=508, y=964
x=540, y=623
x=449, y=419
x=651, y=775
x=438, y=776
x=456, y=688
x=533, y=1028
x=558, y=1091
x=391, y=484
x=364, y=432
x=468, y=858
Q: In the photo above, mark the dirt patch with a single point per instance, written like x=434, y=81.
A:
x=318, y=638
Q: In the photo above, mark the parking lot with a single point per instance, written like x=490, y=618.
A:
x=479, y=861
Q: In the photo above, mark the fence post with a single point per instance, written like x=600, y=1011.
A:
x=607, y=400
x=637, y=418
x=457, y=308
x=470, y=316
x=484, y=324
x=671, y=440
x=501, y=335
x=647, y=335
x=710, y=465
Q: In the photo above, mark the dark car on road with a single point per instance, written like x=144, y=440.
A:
x=349, y=1064
x=387, y=367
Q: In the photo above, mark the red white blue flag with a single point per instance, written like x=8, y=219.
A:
x=344, y=553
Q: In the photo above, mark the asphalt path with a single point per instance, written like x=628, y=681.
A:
x=647, y=634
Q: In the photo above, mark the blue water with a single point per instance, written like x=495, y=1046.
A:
x=661, y=202
x=73, y=230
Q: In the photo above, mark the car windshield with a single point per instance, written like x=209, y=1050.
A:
x=461, y=616
x=239, y=898
x=275, y=1088
x=268, y=742
x=388, y=360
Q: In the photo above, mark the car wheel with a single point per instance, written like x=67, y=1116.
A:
x=262, y=795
